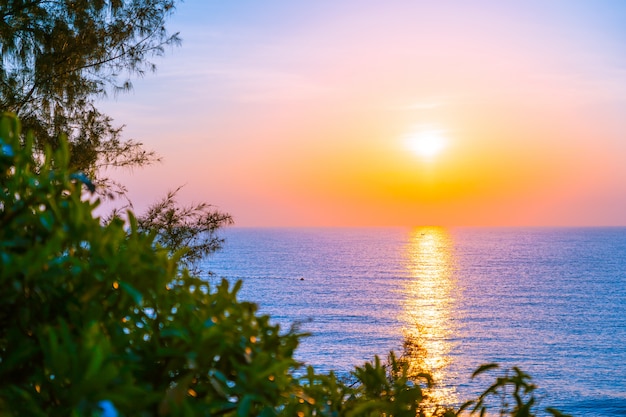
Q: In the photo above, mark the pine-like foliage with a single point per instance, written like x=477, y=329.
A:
x=58, y=57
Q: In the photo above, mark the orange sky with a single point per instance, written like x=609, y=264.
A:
x=299, y=114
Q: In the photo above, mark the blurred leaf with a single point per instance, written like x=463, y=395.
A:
x=132, y=291
x=79, y=176
x=484, y=368
x=176, y=333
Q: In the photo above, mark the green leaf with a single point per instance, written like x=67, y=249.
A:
x=556, y=413
x=244, y=406
x=47, y=220
x=95, y=363
x=176, y=333
x=132, y=291
x=365, y=408
x=79, y=176
x=484, y=368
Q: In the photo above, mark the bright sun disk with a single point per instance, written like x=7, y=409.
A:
x=427, y=144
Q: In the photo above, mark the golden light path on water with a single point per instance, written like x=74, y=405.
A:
x=428, y=303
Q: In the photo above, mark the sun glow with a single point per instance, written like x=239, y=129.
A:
x=427, y=143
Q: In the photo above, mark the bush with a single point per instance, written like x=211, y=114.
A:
x=99, y=320
x=94, y=315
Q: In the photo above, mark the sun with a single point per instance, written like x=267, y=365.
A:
x=427, y=143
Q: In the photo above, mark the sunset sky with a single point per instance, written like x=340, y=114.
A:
x=381, y=113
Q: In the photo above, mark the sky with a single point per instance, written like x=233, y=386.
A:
x=388, y=113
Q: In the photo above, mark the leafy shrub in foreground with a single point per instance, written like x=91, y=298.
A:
x=92, y=314
x=100, y=321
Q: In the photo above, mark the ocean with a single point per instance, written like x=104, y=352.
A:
x=551, y=301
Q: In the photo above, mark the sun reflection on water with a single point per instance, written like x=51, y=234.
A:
x=429, y=298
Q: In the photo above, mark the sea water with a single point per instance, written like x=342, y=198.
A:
x=550, y=301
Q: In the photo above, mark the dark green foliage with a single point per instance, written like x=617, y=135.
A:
x=378, y=390
x=192, y=229
x=58, y=57
x=100, y=320
x=92, y=313
x=514, y=394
